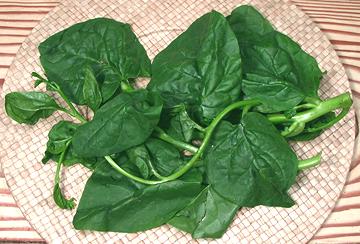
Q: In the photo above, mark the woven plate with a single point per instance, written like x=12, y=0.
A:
x=156, y=24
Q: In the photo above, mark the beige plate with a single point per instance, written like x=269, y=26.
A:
x=157, y=23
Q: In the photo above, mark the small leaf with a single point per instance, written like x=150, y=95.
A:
x=165, y=158
x=140, y=157
x=181, y=127
x=60, y=200
x=29, y=107
x=59, y=135
x=91, y=90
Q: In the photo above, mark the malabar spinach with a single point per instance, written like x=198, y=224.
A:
x=199, y=142
x=276, y=70
x=201, y=68
x=105, y=47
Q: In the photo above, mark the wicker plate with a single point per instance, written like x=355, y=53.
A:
x=156, y=24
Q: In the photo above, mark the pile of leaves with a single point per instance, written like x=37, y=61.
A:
x=207, y=136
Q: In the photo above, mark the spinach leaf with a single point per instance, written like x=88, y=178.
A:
x=60, y=199
x=164, y=157
x=108, y=47
x=140, y=157
x=112, y=202
x=91, y=90
x=251, y=163
x=207, y=216
x=181, y=126
x=59, y=136
x=201, y=68
x=29, y=107
x=276, y=70
x=125, y=121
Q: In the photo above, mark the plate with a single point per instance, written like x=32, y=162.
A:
x=156, y=23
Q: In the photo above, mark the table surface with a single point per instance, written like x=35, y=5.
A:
x=339, y=20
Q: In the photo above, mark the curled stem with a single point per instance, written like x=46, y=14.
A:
x=208, y=132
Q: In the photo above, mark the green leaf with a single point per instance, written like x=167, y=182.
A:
x=108, y=47
x=251, y=163
x=181, y=126
x=201, y=68
x=112, y=202
x=59, y=135
x=276, y=70
x=165, y=158
x=60, y=200
x=125, y=121
x=207, y=216
x=29, y=107
x=140, y=157
x=91, y=90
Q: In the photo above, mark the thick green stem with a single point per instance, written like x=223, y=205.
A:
x=342, y=101
x=310, y=162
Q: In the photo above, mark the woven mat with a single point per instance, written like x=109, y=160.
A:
x=156, y=24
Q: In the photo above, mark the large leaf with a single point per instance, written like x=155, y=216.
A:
x=207, y=216
x=125, y=121
x=109, y=48
x=29, y=107
x=201, y=68
x=276, y=70
x=112, y=202
x=251, y=163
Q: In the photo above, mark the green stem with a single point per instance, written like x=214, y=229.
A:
x=342, y=101
x=305, y=106
x=159, y=133
x=129, y=175
x=310, y=162
x=155, y=173
x=73, y=111
x=209, y=130
x=58, y=166
x=126, y=87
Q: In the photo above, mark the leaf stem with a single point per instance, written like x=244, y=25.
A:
x=59, y=198
x=159, y=133
x=129, y=175
x=73, y=111
x=58, y=166
x=209, y=130
x=342, y=101
x=310, y=162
